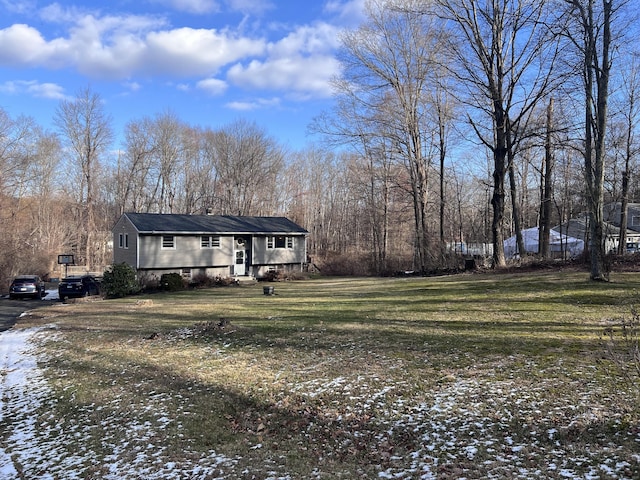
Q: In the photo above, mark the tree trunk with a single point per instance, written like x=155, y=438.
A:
x=517, y=224
x=547, y=189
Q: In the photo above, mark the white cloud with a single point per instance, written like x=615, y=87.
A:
x=121, y=47
x=302, y=75
x=350, y=12
x=36, y=89
x=253, y=7
x=188, y=51
x=212, y=86
x=132, y=86
x=254, y=104
x=191, y=6
x=47, y=90
x=301, y=63
x=21, y=45
x=308, y=39
x=17, y=7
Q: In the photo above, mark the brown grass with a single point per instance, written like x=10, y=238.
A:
x=468, y=375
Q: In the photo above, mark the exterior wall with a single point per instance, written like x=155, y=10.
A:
x=154, y=275
x=262, y=271
x=129, y=253
x=187, y=253
x=279, y=256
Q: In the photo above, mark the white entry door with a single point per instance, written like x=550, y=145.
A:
x=239, y=267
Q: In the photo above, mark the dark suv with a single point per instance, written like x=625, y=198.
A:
x=27, y=286
x=81, y=286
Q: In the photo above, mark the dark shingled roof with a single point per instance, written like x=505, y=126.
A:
x=173, y=223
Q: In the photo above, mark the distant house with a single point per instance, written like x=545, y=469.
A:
x=613, y=213
x=579, y=228
x=213, y=245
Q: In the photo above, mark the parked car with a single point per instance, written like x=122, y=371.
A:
x=80, y=286
x=27, y=286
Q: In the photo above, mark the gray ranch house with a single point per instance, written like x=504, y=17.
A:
x=212, y=245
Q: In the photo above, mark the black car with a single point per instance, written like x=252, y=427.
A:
x=27, y=286
x=81, y=286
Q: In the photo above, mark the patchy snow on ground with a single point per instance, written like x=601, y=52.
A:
x=30, y=449
x=456, y=425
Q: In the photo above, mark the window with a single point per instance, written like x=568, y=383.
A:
x=280, y=242
x=635, y=221
x=123, y=240
x=168, y=241
x=210, y=241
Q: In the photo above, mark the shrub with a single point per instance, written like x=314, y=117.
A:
x=171, y=282
x=272, y=276
x=119, y=281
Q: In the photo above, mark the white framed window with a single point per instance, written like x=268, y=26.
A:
x=168, y=241
x=123, y=241
x=279, y=241
x=210, y=241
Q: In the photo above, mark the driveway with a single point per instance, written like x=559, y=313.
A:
x=10, y=310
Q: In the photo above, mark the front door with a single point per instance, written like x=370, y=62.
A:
x=239, y=267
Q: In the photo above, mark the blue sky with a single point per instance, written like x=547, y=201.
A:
x=209, y=61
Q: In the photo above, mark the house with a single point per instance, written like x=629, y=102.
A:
x=579, y=228
x=212, y=245
x=613, y=213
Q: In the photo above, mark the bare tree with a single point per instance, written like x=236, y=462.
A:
x=590, y=32
x=247, y=163
x=168, y=159
x=388, y=63
x=87, y=133
x=33, y=230
x=134, y=168
x=546, y=186
x=503, y=60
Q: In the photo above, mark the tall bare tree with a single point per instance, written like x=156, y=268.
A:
x=590, y=32
x=388, y=64
x=503, y=59
x=87, y=134
x=546, y=187
x=134, y=168
x=167, y=153
x=248, y=163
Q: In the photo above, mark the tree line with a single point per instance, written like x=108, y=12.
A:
x=454, y=121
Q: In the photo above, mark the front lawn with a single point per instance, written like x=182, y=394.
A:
x=467, y=376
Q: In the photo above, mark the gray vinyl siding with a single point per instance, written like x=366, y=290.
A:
x=125, y=255
x=278, y=256
x=187, y=253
